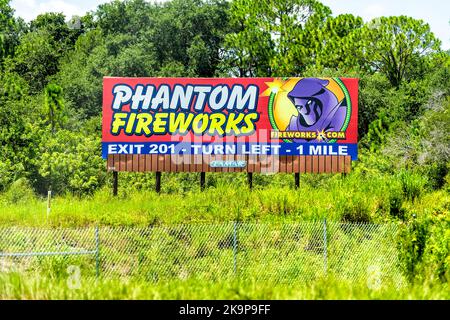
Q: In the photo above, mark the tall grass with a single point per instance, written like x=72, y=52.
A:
x=15, y=286
x=357, y=197
x=352, y=198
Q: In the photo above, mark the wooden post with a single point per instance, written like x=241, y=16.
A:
x=202, y=180
x=250, y=179
x=297, y=180
x=49, y=202
x=158, y=182
x=115, y=182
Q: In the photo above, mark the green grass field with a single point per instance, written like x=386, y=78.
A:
x=18, y=287
x=352, y=198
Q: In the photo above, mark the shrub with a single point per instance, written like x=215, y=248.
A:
x=411, y=245
x=356, y=209
x=424, y=244
x=447, y=182
x=71, y=162
x=436, y=173
x=20, y=191
x=396, y=204
x=412, y=184
x=437, y=254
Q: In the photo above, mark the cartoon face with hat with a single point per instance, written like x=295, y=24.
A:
x=318, y=108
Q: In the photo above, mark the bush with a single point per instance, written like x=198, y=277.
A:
x=70, y=162
x=411, y=245
x=447, y=180
x=437, y=254
x=424, y=249
x=356, y=209
x=436, y=173
x=396, y=208
x=424, y=242
x=20, y=191
x=412, y=184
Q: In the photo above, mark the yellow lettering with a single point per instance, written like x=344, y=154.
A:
x=159, y=124
x=249, y=121
x=130, y=124
x=143, y=123
x=179, y=123
x=217, y=120
x=232, y=123
x=118, y=122
x=202, y=120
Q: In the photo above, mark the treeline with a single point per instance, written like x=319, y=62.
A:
x=51, y=72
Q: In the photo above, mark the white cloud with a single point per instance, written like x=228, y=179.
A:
x=373, y=10
x=30, y=9
x=434, y=12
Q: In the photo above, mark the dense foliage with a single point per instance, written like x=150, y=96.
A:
x=51, y=73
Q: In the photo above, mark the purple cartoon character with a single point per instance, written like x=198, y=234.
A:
x=318, y=108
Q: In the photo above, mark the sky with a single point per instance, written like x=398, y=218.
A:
x=434, y=12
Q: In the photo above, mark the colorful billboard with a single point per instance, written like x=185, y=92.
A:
x=230, y=116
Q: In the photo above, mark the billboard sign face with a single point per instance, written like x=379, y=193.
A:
x=230, y=116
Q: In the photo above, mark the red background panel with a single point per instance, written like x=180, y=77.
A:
x=262, y=107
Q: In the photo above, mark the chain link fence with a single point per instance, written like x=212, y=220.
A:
x=280, y=252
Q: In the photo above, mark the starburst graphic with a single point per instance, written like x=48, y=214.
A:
x=273, y=87
x=321, y=136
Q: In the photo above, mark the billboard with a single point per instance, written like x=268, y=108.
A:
x=230, y=116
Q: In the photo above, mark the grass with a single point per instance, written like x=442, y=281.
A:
x=351, y=198
x=15, y=286
x=289, y=253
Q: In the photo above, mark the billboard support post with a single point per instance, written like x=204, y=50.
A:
x=202, y=180
x=250, y=180
x=115, y=182
x=297, y=180
x=158, y=181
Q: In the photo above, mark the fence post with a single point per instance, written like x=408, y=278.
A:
x=235, y=247
x=49, y=203
x=325, y=247
x=97, y=252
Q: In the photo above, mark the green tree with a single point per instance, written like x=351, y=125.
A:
x=335, y=40
x=17, y=139
x=274, y=37
x=129, y=16
x=247, y=50
x=395, y=46
x=10, y=30
x=70, y=162
x=6, y=23
x=36, y=59
x=191, y=32
x=80, y=76
x=54, y=105
x=64, y=34
x=96, y=56
x=54, y=23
